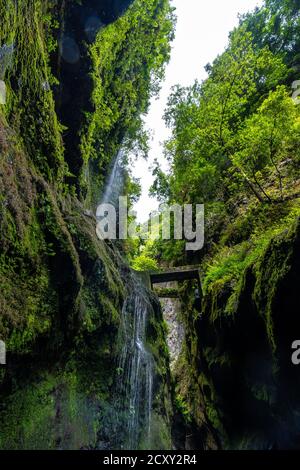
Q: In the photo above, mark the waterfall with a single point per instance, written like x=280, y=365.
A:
x=115, y=182
x=133, y=391
x=6, y=58
x=134, y=388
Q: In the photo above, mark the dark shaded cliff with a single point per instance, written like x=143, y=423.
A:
x=61, y=289
x=236, y=373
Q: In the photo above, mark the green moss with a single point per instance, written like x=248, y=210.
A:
x=61, y=288
x=213, y=357
x=230, y=262
x=160, y=434
x=30, y=106
x=226, y=271
x=128, y=59
x=242, y=323
x=182, y=408
x=270, y=271
x=269, y=260
x=156, y=341
x=55, y=402
x=167, y=292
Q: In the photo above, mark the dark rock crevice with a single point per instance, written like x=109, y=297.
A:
x=80, y=24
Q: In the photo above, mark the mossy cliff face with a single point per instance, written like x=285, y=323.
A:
x=244, y=385
x=61, y=289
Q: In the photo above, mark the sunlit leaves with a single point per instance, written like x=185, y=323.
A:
x=267, y=138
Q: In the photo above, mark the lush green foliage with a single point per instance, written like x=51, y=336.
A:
x=61, y=288
x=235, y=137
x=30, y=104
x=276, y=25
x=36, y=204
x=234, y=146
x=128, y=60
x=144, y=263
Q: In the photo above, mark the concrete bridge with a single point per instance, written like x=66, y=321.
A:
x=183, y=273
x=179, y=274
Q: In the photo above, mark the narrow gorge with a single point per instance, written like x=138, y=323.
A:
x=97, y=355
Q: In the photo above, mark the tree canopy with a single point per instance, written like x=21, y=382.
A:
x=235, y=137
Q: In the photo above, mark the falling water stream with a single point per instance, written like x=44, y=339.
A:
x=115, y=181
x=135, y=368
x=6, y=58
x=133, y=393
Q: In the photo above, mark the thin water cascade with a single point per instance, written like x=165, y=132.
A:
x=135, y=370
x=6, y=58
x=115, y=181
x=133, y=391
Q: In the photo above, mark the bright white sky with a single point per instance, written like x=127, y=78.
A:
x=202, y=33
